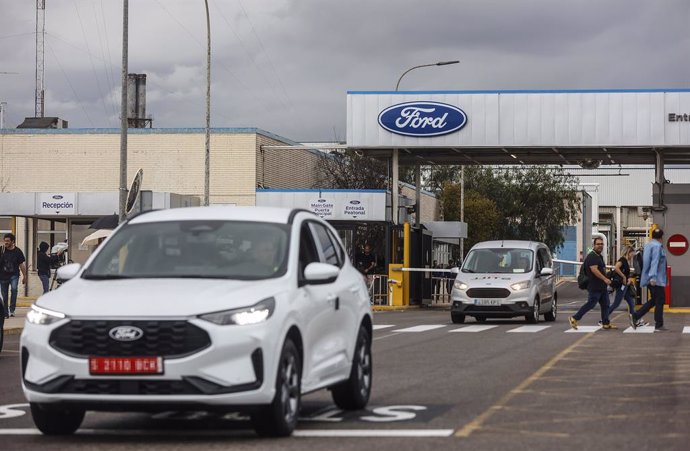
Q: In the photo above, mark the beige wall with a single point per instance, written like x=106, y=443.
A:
x=285, y=168
x=430, y=207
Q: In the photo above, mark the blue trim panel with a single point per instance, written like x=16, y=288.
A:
x=527, y=91
x=312, y=190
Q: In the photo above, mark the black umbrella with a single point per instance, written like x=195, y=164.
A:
x=106, y=222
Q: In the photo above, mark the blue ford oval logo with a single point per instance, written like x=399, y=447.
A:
x=422, y=119
x=57, y=197
x=126, y=333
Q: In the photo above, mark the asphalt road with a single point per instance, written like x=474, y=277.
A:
x=485, y=390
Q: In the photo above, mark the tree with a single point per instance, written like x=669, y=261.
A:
x=481, y=214
x=346, y=169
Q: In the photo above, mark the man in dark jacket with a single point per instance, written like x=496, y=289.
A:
x=12, y=262
x=596, y=289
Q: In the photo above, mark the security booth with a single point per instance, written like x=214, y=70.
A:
x=65, y=219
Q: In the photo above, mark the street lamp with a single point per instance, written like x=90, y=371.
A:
x=207, y=151
x=418, y=177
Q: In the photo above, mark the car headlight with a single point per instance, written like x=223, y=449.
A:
x=520, y=285
x=255, y=314
x=41, y=316
x=460, y=285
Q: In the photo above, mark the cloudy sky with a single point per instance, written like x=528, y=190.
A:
x=286, y=65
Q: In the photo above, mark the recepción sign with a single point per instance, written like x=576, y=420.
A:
x=336, y=205
x=56, y=204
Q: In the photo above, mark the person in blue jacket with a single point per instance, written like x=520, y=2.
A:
x=653, y=277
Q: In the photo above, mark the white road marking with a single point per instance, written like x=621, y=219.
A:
x=474, y=328
x=421, y=328
x=686, y=330
x=382, y=326
x=640, y=330
x=374, y=433
x=528, y=329
x=583, y=329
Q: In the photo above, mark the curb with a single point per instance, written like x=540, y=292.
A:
x=402, y=308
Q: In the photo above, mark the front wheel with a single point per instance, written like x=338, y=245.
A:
x=55, y=421
x=457, y=318
x=480, y=319
x=279, y=418
x=533, y=317
x=551, y=315
x=353, y=394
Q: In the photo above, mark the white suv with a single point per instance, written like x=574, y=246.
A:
x=235, y=308
x=505, y=279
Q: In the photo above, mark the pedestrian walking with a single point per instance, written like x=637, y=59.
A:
x=622, y=282
x=12, y=262
x=654, y=278
x=596, y=287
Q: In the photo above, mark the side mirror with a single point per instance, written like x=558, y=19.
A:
x=546, y=272
x=320, y=273
x=68, y=272
x=455, y=270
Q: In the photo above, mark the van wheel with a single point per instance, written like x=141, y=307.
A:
x=480, y=319
x=533, y=317
x=353, y=394
x=279, y=418
x=551, y=315
x=55, y=421
x=457, y=318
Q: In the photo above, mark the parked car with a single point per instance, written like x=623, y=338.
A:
x=505, y=279
x=237, y=309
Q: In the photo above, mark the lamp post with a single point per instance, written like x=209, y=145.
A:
x=207, y=150
x=394, y=189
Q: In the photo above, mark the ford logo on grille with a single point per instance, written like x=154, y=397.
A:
x=422, y=119
x=126, y=333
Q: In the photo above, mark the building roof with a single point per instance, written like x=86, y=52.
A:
x=40, y=122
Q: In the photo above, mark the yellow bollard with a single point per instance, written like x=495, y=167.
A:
x=395, y=291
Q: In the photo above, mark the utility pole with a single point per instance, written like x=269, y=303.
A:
x=123, y=112
x=3, y=105
x=207, y=149
x=40, y=57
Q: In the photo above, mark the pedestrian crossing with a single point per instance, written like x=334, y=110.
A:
x=511, y=328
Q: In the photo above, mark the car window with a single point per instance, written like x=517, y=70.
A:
x=499, y=261
x=338, y=247
x=329, y=253
x=307, y=249
x=544, y=259
x=194, y=249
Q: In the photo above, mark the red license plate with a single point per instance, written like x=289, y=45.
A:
x=126, y=365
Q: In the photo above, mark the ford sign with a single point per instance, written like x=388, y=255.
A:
x=126, y=333
x=422, y=119
x=57, y=197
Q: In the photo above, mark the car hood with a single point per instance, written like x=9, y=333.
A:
x=492, y=280
x=156, y=297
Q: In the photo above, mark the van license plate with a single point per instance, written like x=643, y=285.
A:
x=125, y=365
x=487, y=302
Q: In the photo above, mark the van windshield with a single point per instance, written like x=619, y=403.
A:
x=193, y=249
x=499, y=261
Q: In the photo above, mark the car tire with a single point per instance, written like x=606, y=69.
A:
x=55, y=421
x=457, y=318
x=533, y=317
x=279, y=418
x=550, y=316
x=353, y=394
x=480, y=319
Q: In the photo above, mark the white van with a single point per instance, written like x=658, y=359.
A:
x=505, y=279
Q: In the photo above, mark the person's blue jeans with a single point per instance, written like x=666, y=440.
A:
x=623, y=292
x=10, y=302
x=594, y=298
x=45, y=281
x=656, y=300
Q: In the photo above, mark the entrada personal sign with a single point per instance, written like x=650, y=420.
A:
x=422, y=119
x=56, y=204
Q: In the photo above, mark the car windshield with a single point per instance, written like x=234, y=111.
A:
x=498, y=261
x=194, y=249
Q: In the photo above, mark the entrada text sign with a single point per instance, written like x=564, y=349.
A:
x=422, y=119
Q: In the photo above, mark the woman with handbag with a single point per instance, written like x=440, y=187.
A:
x=622, y=283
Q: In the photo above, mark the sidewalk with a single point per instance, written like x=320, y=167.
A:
x=15, y=325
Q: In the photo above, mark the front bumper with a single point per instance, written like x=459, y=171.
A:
x=232, y=370
x=507, y=310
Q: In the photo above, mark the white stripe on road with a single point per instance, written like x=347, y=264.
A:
x=583, y=329
x=475, y=328
x=374, y=433
x=686, y=330
x=528, y=329
x=382, y=326
x=640, y=330
x=421, y=328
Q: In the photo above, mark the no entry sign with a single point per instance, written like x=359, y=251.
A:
x=677, y=244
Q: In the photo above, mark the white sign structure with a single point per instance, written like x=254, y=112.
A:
x=56, y=204
x=335, y=205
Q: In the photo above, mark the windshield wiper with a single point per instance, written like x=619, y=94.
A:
x=105, y=276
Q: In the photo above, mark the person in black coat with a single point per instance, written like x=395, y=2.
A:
x=43, y=264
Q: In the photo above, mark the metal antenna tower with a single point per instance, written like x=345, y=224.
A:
x=40, y=56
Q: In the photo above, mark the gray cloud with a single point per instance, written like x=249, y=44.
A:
x=286, y=65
